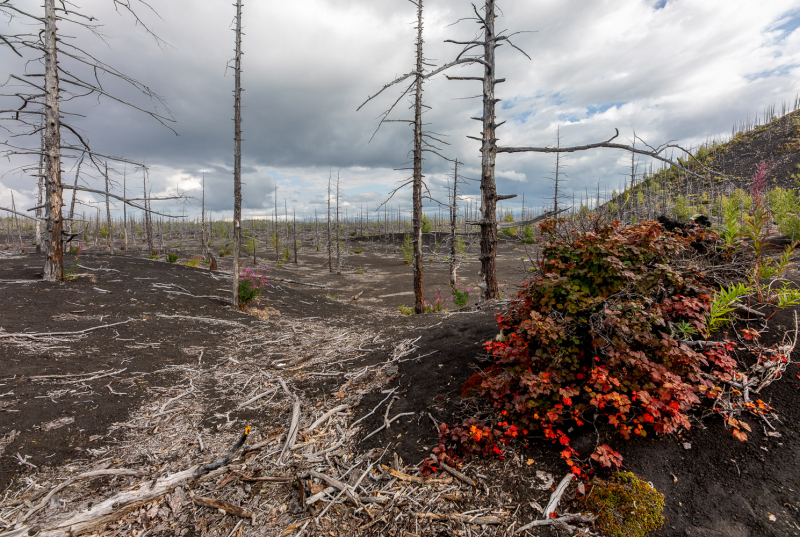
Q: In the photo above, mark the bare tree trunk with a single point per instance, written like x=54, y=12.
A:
x=330, y=256
x=558, y=169
x=453, y=215
x=125, y=205
x=294, y=233
x=419, y=298
x=16, y=221
x=110, y=238
x=488, y=157
x=286, y=216
x=203, y=236
x=148, y=218
x=74, y=193
x=338, y=251
x=237, y=155
x=39, y=198
x=277, y=258
x=54, y=261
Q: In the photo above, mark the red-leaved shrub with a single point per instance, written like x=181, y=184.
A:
x=591, y=336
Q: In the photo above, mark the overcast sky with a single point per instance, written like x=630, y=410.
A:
x=683, y=70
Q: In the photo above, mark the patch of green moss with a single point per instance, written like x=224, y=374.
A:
x=625, y=506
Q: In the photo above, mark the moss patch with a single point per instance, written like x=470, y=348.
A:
x=625, y=506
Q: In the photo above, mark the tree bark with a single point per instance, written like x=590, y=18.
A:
x=419, y=297
x=109, y=238
x=488, y=158
x=237, y=155
x=54, y=261
x=74, y=193
x=125, y=205
x=453, y=216
x=39, y=198
x=338, y=251
x=330, y=253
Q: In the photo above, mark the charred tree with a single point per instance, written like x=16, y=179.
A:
x=237, y=155
x=54, y=261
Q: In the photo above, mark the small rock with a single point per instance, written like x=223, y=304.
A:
x=687, y=445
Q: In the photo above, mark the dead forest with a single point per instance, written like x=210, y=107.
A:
x=612, y=362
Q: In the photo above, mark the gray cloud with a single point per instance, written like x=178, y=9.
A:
x=681, y=70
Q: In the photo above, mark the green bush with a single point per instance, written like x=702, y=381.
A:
x=785, y=206
x=171, y=258
x=247, y=292
x=408, y=250
x=426, y=224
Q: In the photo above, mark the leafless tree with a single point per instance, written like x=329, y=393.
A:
x=237, y=154
x=338, y=250
x=481, y=51
x=330, y=253
x=60, y=82
x=423, y=141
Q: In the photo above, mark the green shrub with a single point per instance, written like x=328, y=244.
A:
x=426, y=224
x=589, y=337
x=785, y=206
x=408, y=250
x=171, y=258
x=625, y=506
x=512, y=231
x=405, y=310
x=357, y=251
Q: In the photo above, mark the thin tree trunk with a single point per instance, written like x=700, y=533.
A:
x=74, y=193
x=294, y=234
x=338, y=251
x=54, y=261
x=148, y=218
x=488, y=158
x=237, y=155
x=109, y=238
x=40, y=196
x=419, y=298
x=125, y=205
x=277, y=258
x=16, y=220
x=453, y=215
x=330, y=256
x=203, y=237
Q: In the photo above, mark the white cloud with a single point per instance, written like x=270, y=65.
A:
x=686, y=72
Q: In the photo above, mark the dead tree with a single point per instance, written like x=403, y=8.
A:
x=338, y=250
x=487, y=44
x=415, y=87
x=59, y=79
x=330, y=253
x=124, y=206
x=453, y=216
x=294, y=233
x=237, y=155
x=557, y=173
x=109, y=238
x=203, y=236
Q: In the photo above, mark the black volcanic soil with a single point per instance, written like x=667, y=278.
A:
x=718, y=487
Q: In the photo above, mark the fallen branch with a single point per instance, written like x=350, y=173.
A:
x=467, y=519
x=256, y=398
x=323, y=418
x=225, y=506
x=87, y=475
x=455, y=473
x=563, y=520
x=33, y=335
x=555, y=497
x=298, y=283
